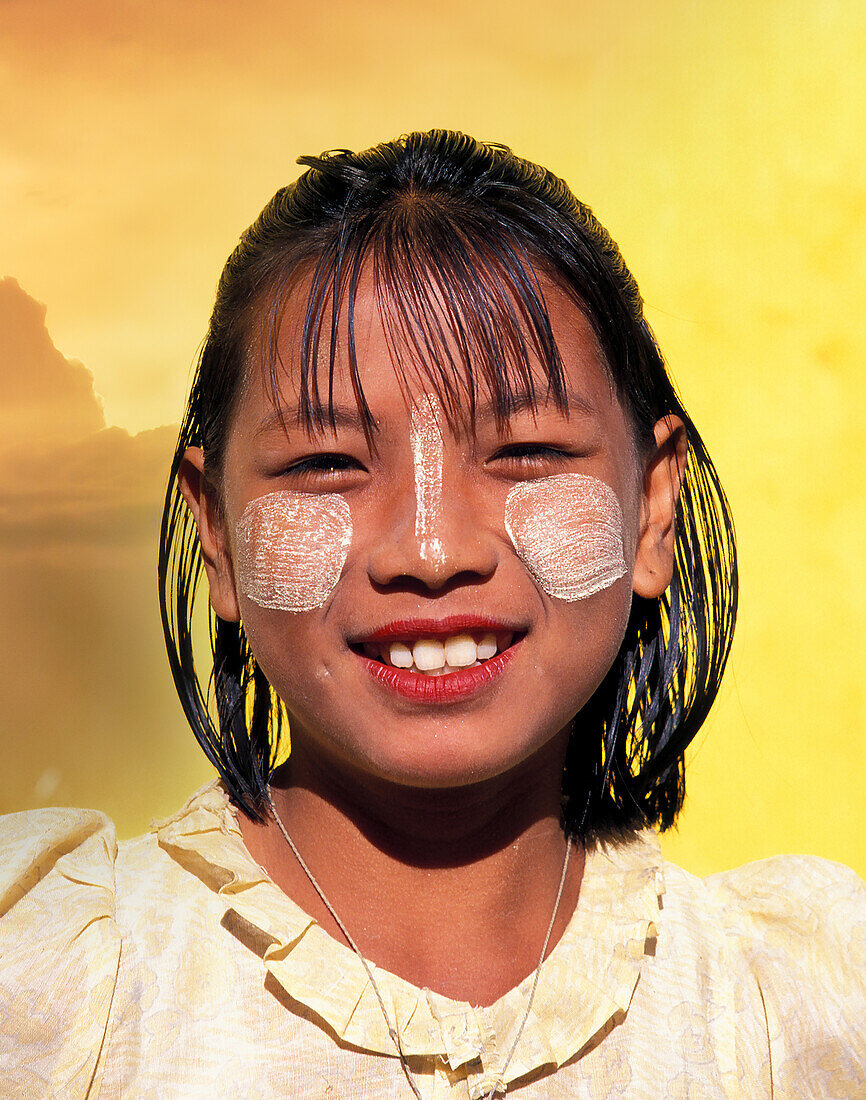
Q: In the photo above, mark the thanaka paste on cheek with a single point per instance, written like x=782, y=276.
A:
x=425, y=435
x=291, y=548
x=568, y=532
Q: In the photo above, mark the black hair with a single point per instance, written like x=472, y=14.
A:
x=457, y=234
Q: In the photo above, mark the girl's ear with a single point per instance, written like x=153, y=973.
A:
x=663, y=476
x=202, y=500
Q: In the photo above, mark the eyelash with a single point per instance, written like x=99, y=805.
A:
x=527, y=453
x=327, y=463
x=332, y=464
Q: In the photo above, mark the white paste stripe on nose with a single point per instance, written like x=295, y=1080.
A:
x=425, y=436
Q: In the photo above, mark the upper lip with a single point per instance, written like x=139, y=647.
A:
x=406, y=629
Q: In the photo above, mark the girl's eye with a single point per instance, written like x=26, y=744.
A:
x=324, y=464
x=528, y=454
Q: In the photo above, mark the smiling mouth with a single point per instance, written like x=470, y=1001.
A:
x=438, y=656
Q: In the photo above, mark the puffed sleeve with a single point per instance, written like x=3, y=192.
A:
x=801, y=922
x=59, y=951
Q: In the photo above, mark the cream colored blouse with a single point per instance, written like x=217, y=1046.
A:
x=171, y=967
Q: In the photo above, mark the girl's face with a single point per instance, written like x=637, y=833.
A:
x=508, y=555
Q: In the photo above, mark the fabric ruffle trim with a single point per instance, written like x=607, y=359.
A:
x=585, y=984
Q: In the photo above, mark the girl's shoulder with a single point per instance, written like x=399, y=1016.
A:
x=796, y=925
x=801, y=921
x=802, y=913
x=59, y=946
x=790, y=896
x=71, y=899
x=786, y=895
x=805, y=912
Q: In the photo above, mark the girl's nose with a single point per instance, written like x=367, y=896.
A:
x=450, y=542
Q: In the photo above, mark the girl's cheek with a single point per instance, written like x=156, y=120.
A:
x=567, y=529
x=568, y=532
x=291, y=547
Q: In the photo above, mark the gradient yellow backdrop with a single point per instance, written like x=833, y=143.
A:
x=722, y=145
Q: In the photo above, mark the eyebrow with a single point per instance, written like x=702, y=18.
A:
x=520, y=402
x=341, y=416
x=349, y=417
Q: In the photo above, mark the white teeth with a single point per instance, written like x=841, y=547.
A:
x=428, y=654
x=460, y=651
x=400, y=655
x=437, y=657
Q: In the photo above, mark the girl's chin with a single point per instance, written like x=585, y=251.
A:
x=425, y=755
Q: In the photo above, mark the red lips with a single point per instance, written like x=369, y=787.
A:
x=451, y=687
x=402, y=630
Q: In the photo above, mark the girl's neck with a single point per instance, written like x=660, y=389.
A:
x=450, y=889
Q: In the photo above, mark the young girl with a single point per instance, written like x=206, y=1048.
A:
x=473, y=585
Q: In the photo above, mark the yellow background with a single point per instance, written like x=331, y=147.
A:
x=722, y=145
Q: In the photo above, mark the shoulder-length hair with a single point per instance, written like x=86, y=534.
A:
x=456, y=234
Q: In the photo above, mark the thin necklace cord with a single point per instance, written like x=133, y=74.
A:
x=393, y=1031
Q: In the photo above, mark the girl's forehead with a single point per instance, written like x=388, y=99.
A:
x=312, y=358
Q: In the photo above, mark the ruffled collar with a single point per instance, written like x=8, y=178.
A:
x=585, y=985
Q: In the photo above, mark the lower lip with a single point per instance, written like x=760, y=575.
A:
x=450, y=688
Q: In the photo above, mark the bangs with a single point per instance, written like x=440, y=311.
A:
x=463, y=311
